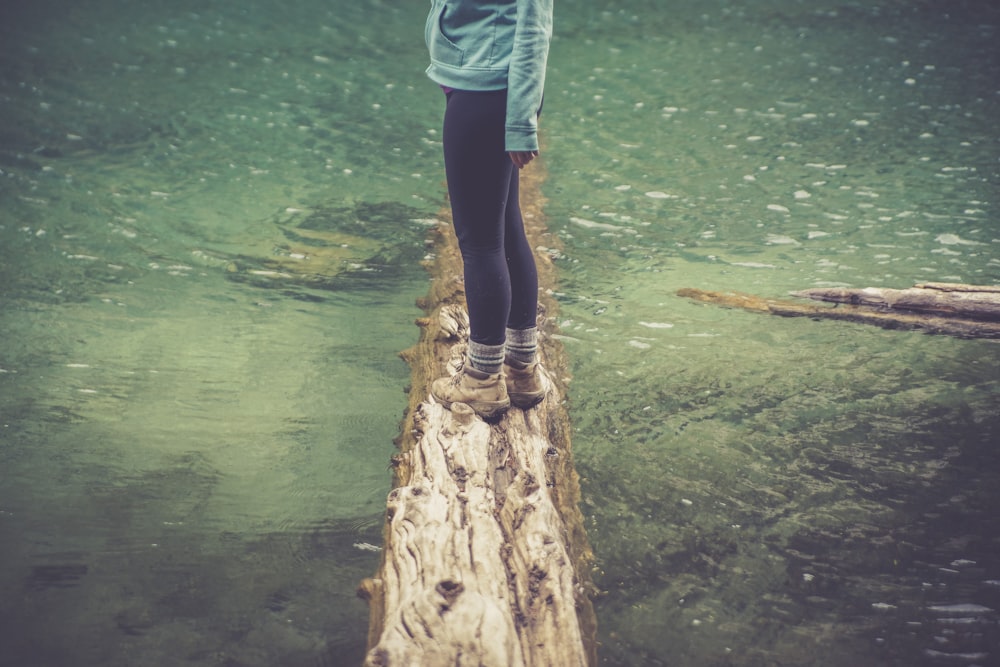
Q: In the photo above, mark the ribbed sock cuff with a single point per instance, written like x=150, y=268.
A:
x=522, y=345
x=486, y=358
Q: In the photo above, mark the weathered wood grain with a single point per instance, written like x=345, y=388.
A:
x=485, y=558
x=946, y=299
x=882, y=307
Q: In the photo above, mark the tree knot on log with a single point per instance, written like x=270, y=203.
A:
x=448, y=589
x=369, y=588
x=378, y=657
x=461, y=476
x=529, y=484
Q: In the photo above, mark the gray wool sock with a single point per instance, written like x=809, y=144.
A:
x=522, y=345
x=486, y=358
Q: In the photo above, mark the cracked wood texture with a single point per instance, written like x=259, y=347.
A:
x=955, y=309
x=485, y=560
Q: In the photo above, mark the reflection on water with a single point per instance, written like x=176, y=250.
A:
x=213, y=217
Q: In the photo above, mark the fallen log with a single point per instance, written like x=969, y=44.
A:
x=976, y=302
x=485, y=558
x=881, y=307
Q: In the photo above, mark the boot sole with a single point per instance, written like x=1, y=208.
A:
x=526, y=401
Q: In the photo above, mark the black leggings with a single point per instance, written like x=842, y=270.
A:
x=501, y=282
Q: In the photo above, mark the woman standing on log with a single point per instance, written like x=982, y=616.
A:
x=489, y=56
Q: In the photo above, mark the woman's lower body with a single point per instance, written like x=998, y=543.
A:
x=501, y=281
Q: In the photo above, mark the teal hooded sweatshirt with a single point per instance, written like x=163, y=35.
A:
x=492, y=45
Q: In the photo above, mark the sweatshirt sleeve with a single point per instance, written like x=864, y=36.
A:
x=526, y=76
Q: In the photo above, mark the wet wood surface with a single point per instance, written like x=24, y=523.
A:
x=485, y=558
x=967, y=311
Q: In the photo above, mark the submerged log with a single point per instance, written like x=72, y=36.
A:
x=485, y=558
x=976, y=302
x=965, y=311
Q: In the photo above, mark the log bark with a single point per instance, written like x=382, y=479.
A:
x=883, y=307
x=485, y=558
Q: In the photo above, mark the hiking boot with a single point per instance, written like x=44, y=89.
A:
x=524, y=384
x=486, y=394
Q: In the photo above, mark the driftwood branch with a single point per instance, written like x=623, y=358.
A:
x=945, y=299
x=967, y=311
x=485, y=559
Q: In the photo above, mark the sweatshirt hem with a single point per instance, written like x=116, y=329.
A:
x=467, y=78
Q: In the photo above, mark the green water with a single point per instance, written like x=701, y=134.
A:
x=212, y=217
x=766, y=491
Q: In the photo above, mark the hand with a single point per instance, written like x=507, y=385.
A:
x=522, y=158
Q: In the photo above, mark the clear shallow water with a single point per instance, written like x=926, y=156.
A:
x=766, y=491
x=211, y=251
x=212, y=225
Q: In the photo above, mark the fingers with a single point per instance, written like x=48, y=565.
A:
x=522, y=158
